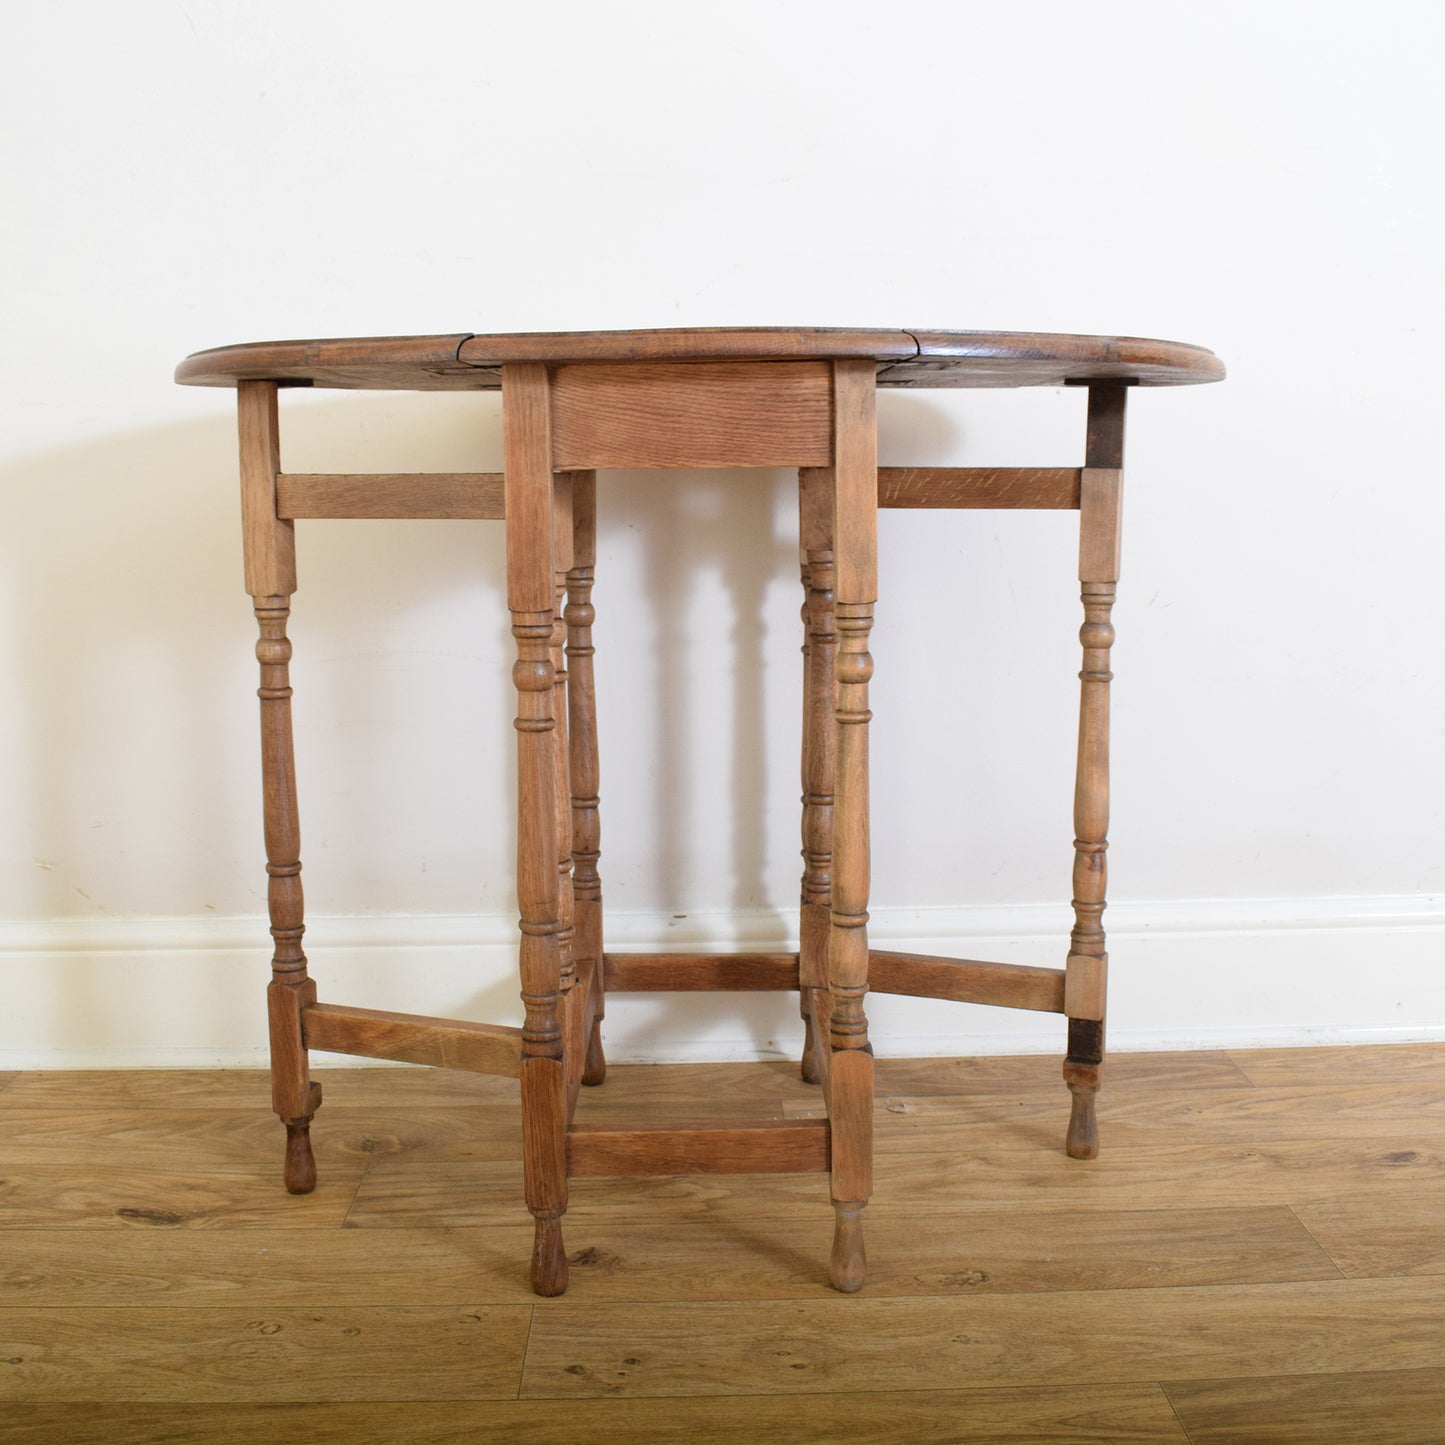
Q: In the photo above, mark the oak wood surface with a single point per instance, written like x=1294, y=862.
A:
x=688, y=972
x=455, y=495
x=413, y=1039
x=1024, y=1251
x=817, y=1346
x=145, y=1089
x=531, y=598
x=1378, y=1064
x=692, y=414
x=268, y=542
x=766, y=1146
x=1222, y=1116
x=1273, y=1281
x=240, y=1353
x=1364, y=1239
x=1007, y=985
x=584, y=771
x=982, y=1175
x=1387, y=1407
x=1086, y=967
x=243, y=1139
x=85, y=1196
x=849, y=1086
x=1048, y=488
x=1107, y=1414
x=902, y=358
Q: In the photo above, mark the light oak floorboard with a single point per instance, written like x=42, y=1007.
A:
x=1013, y=1293
x=1186, y=1070
x=764, y=1082
x=1133, y=1414
x=947, y=1255
x=80, y=1197
x=275, y=1268
x=866, y=1344
x=1358, y=1064
x=972, y=1177
x=253, y=1139
x=1363, y=1238
x=251, y=1354
x=248, y=1088
x=1139, y=1118
x=746, y=1085
x=1395, y=1407
x=763, y=1259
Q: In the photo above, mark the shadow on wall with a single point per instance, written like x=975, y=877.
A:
x=132, y=730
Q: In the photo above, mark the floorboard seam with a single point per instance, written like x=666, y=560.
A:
x=526, y=1352
x=1334, y=1263
x=1174, y=1410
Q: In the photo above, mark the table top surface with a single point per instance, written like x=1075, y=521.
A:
x=467, y=361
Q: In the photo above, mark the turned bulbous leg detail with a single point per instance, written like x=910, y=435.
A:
x=594, y=1068
x=300, y=1170
x=580, y=615
x=1086, y=969
x=549, y=1258
x=848, y=1266
x=808, y=1069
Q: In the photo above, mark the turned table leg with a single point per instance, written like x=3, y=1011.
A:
x=1087, y=965
x=529, y=519
x=572, y=997
x=270, y=549
x=820, y=642
x=582, y=742
x=850, y=1091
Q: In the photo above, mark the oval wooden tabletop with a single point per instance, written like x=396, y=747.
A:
x=466, y=361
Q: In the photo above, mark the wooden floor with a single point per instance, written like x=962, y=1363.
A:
x=1257, y=1255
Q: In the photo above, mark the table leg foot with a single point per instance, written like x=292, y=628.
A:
x=594, y=1069
x=300, y=1171
x=1083, y=1136
x=808, y=1067
x=549, y=1260
x=849, y=1263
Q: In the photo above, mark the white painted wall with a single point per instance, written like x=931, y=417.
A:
x=1262, y=179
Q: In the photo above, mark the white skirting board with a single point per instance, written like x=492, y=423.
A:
x=1217, y=973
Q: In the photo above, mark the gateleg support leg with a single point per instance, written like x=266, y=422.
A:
x=820, y=645
x=1100, y=499
x=270, y=560
x=1083, y=1069
x=527, y=433
x=808, y=1069
x=855, y=540
x=573, y=1001
x=294, y=1095
x=583, y=748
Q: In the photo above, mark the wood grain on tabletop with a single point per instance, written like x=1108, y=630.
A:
x=901, y=358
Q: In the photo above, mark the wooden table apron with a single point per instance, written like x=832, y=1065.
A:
x=574, y=403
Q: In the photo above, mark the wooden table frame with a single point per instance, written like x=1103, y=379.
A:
x=563, y=420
